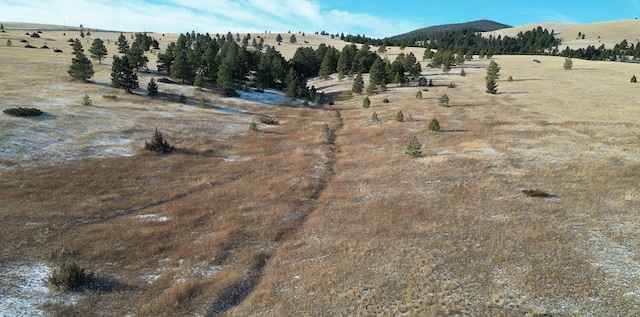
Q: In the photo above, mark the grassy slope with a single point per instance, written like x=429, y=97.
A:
x=288, y=221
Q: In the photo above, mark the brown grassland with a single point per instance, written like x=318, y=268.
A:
x=290, y=221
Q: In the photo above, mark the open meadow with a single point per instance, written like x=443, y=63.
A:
x=293, y=220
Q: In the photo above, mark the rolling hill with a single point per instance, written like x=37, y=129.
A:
x=433, y=31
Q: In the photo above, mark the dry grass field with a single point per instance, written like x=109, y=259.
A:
x=290, y=221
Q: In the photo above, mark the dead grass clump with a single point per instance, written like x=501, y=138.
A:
x=23, y=112
x=69, y=277
x=535, y=193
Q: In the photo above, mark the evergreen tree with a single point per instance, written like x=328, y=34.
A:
x=366, y=103
x=443, y=101
x=463, y=73
x=136, y=56
x=123, y=45
x=98, y=50
x=414, y=147
x=181, y=68
x=434, y=125
x=419, y=94
x=399, y=116
x=152, y=87
x=9, y=43
x=374, y=117
x=2, y=28
x=568, y=63
x=279, y=39
x=358, y=84
x=492, y=77
x=166, y=59
x=159, y=144
x=81, y=67
x=292, y=38
x=327, y=67
x=253, y=126
x=634, y=79
x=199, y=81
x=377, y=73
x=77, y=47
x=122, y=76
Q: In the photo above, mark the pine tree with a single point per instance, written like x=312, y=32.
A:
x=493, y=73
x=414, y=147
x=136, y=56
x=399, y=116
x=366, y=103
x=634, y=79
x=2, y=28
x=443, y=101
x=358, y=84
x=199, y=81
x=81, y=67
x=419, y=94
x=434, y=125
x=122, y=76
x=86, y=101
x=123, y=45
x=77, y=47
x=253, y=126
x=279, y=39
x=98, y=50
x=374, y=117
x=463, y=73
x=9, y=43
x=159, y=144
x=152, y=87
x=292, y=39
x=568, y=63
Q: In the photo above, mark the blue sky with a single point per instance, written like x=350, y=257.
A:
x=370, y=17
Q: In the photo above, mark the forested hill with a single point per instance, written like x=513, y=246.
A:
x=439, y=30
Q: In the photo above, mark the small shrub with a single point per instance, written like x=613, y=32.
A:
x=69, y=277
x=109, y=96
x=386, y=100
x=463, y=73
x=337, y=113
x=331, y=103
x=510, y=78
x=183, y=99
x=57, y=50
x=451, y=85
x=434, y=125
x=535, y=193
x=159, y=144
x=568, y=63
x=422, y=81
x=269, y=121
x=305, y=103
x=633, y=79
x=443, y=101
x=419, y=94
x=253, y=126
x=86, y=101
x=414, y=147
x=348, y=94
x=9, y=43
x=399, y=116
x=374, y=117
x=325, y=128
x=22, y=112
x=203, y=103
x=366, y=103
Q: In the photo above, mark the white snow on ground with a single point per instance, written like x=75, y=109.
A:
x=270, y=97
x=152, y=217
x=23, y=291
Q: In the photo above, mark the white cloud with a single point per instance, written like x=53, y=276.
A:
x=218, y=16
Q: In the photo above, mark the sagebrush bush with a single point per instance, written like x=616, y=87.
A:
x=23, y=112
x=69, y=277
x=535, y=193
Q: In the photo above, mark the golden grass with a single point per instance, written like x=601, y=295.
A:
x=288, y=222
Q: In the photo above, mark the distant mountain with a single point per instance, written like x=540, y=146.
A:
x=435, y=31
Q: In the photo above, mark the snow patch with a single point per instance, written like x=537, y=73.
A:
x=23, y=291
x=152, y=217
